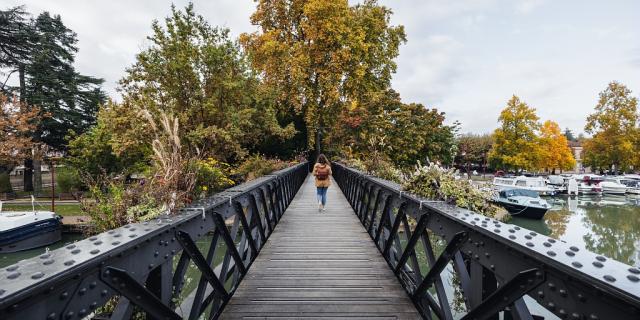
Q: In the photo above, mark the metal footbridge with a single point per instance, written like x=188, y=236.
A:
x=262, y=250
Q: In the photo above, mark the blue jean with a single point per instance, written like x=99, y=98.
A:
x=321, y=192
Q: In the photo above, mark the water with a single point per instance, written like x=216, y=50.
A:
x=608, y=225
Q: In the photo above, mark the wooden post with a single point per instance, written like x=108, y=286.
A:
x=53, y=186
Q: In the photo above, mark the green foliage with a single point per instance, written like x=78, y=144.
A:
x=257, y=165
x=473, y=149
x=212, y=176
x=436, y=183
x=197, y=73
x=68, y=179
x=5, y=183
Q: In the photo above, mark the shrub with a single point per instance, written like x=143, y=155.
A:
x=68, y=179
x=212, y=176
x=257, y=166
x=5, y=183
x=437, y=183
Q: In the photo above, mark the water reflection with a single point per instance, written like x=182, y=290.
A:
x=608, y=225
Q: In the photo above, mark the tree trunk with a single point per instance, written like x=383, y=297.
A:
x=37, y=177
x=28, y=175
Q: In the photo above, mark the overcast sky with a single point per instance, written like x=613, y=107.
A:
x=464, y=57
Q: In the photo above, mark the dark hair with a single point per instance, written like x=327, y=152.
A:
x=322, y=159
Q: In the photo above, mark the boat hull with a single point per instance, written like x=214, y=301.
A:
x=31, y=236
x=518, y=210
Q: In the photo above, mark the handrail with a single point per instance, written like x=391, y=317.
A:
x=133, y=266
x=496, y=263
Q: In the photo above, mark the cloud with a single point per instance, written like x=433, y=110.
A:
x=528, y=6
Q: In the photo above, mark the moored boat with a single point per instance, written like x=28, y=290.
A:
x=536, y=184
x=27, y=230
x=522, y=203
x=613, y=186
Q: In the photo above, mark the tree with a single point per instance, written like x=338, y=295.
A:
x=554, y=148
x=515, y=142
x=17, y=122
x=569, y=135
x=15, y=44
x=614, y=129
x=321, y=57
x=473, y=149
x=193, y=72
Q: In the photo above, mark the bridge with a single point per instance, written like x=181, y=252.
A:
x=261, y=250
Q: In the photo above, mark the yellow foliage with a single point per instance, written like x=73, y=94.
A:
x=554, y=148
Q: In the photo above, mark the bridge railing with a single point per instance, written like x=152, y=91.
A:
x=141, y=267
x=495, y=264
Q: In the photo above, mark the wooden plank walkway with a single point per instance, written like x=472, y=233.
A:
x=320, y=266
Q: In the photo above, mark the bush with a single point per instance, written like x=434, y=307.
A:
x=68, y=179
x=5, y=183
x=257, y=166
x=212, y=176
x=436, y=183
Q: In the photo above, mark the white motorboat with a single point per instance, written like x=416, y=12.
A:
x=633, y=186
x=23, y=230
x=536, y=184
x=613, y=185
x=589, y=184
x=522, y=203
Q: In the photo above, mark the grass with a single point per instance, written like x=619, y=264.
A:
x=66, y=209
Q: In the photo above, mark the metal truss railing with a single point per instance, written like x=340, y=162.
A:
x=495, y=264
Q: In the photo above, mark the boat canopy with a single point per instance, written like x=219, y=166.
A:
x=518, y=192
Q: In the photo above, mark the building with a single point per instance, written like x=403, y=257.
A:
x=576, y=149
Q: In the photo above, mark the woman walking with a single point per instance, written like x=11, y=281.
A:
x=322, y=172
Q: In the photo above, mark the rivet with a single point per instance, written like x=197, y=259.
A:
x=601, y=258
x=12, y=268
x=528, y=237
x=581, y=297
x=82, y=313
x=51, y=316
x=570, y=253
x=551, y=286
x=13, y=275
x=93, y=238
x=97, y=243
x=94, y=251
x=512, y=237
x=552, y=240
x=71, y=246
x=496, y=230
x=37, y=275
x=551, y=306
x=69, y=315
x=563, y=293
x=82, y=291
x=576, y=316
x=64, y=295
x=541, y=294
x=547, y=244
x=529, y=244
x=44, y=256
x=633, y=278
x=104, y=293
x=115, y=243
x=517, y=228
x=92, y=285
x=609, y=278
x=93, y=305
x=76, y=251
x=634, y=270
x=598, y=264
x=70, y=262
x=576, y=264
x=574, y=249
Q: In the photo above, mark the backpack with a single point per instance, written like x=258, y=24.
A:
x=322, y=173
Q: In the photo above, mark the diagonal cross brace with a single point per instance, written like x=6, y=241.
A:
x=231, y=246
x=408, y=250
x=192, y=251
x=125, y=285
x=454, y=245
x=507, y=294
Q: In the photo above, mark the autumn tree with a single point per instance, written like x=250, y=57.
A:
x=614, y=131
x=17, y=123
x=555, y=152
x=322, y=57
x=515, y=142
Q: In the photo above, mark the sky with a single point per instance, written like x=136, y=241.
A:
x=464, y=57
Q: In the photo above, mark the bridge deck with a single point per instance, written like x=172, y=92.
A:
x=320, y=266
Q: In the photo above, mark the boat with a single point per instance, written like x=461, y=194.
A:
x=522, y=203
x=589, y=184
x=24, y=230
x=536, y=184
x=633, y=186
x=613, y=185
